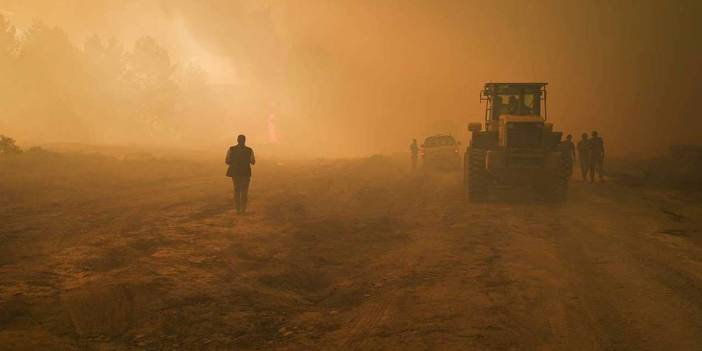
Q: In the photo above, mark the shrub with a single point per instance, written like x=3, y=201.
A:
x=8, y=146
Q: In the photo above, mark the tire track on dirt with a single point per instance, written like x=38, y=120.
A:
x=619, y=277
x=395, y=267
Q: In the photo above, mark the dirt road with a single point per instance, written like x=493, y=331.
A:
x=338, y=255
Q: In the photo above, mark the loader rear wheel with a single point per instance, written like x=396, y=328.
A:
x=476, y=178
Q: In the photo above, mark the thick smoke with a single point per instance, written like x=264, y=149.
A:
x=360, y=77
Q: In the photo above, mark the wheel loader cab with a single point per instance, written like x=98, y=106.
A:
x=515, y=117
x=513, y=99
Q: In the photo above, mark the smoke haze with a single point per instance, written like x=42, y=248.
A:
x=343, y=78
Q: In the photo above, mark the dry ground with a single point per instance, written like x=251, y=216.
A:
x=100, y=254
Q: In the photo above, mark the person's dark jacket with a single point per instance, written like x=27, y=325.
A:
x=569, y=148
x=240, y=158
x=597, y=148
x=584, y=148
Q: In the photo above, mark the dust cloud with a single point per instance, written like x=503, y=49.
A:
x=344, y=243
x=342, y=78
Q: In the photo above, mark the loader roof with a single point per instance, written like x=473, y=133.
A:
x=492, y=84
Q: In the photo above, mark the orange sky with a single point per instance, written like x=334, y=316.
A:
x=361, y=77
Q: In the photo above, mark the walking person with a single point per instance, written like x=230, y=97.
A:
x=414, y=149
x=584, y=155
x=569, y=150
x=239, y=159
x=597, y=154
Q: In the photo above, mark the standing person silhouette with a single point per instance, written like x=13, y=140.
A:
x=569, y=149
x=584, y=155
x=597, y=154
x=240, y=158
x=414, y=149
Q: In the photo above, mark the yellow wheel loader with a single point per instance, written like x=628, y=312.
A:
x=517, y=147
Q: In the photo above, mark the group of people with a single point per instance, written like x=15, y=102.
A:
x=590, y=153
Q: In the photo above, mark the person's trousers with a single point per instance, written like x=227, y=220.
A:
x=584, y=167
x=241, y=192
x=596, y=166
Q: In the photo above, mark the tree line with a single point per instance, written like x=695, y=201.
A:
x=99, y=91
